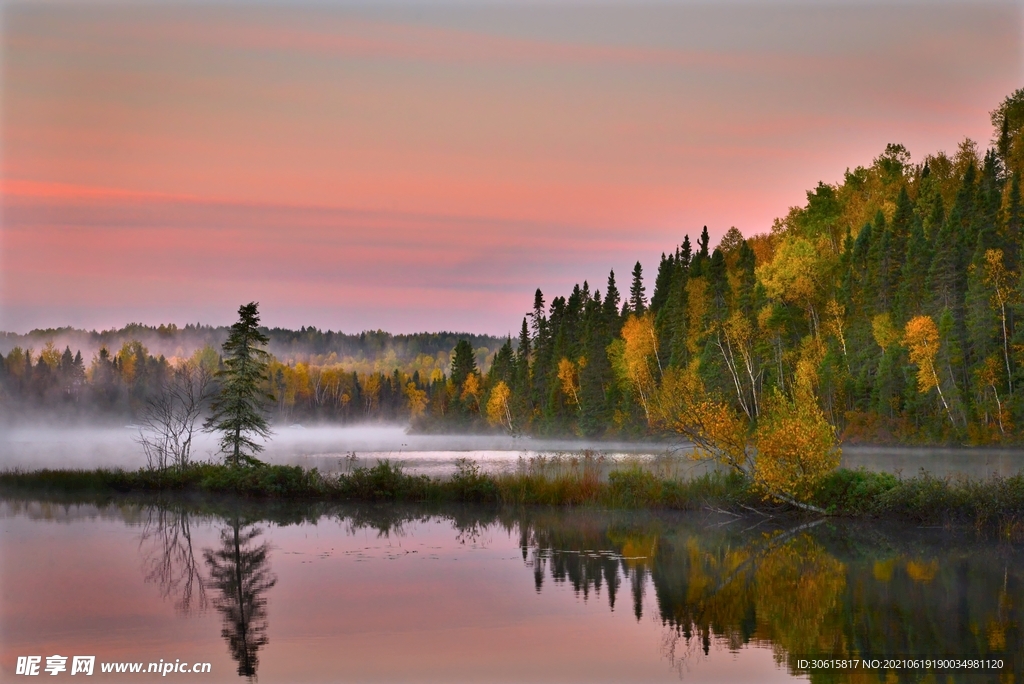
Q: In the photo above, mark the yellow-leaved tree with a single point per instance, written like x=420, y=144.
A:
x=471, y=392
x=796, y=445
x=792, y=447
x=569, y=377
x=498, y=411
x=921, y=336
x=884, y=332
x=1004, y=294
x=635, y=359
x=417, y=400
x=796, y=274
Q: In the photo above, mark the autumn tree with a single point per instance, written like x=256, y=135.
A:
x=498, y=409
x=635, y=359
x=796, y=446
x=1001, y=283
x=922, y=339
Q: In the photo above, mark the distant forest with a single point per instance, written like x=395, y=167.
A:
x=315, y=375
x=896, y=295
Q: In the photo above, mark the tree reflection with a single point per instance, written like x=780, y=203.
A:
x=169, y=560
x=807, y=590
x=240, y=573
x=818, y=589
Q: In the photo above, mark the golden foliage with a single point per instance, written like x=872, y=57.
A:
x=798, y=593
x=417, y=400
x=637, y=357
x=997, y=277
x=882, y=570
x=50, y=356
x=795, y=272
x=812, y=352
x=569, y=376
x=796, y=446
x=921, y=571
x=885, y=333
x=498, y=412
x=471, y=391
x=717, y=431
x=131, y=354
x=921, y=336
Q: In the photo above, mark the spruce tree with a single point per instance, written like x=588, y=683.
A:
x=703, y=243
x=611, y=302
x=238, y=411
x=637, y=292
x=463, y=363
x=663, y=282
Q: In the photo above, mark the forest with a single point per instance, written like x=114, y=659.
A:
x=891, y=304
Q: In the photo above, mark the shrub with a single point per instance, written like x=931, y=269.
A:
x=853, y=492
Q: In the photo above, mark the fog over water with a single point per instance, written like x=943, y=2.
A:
x=328, y=448
x=324, y=447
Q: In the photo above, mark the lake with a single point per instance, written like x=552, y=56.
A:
x=387, y=593
x=326, y=448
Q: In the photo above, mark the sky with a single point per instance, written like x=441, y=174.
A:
x=423, y=166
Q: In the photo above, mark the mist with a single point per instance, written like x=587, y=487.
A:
x=32, y=446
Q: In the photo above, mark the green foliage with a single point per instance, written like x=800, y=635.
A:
x=853, y=492
x=238, y=410
x=385, y=481
x=634, y=487
x=463, y=363
x=468, y=484
x=269, y=481
x=993, y=504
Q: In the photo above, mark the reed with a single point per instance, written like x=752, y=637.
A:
x=585, y=479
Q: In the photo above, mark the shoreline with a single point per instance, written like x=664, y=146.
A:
x=994, y=505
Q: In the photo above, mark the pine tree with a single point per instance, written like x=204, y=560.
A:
x=238, y=411
x=663, y=282
x=910, y=295
x=703, y=243
x=685, y=253
x=637, y=292
x=611, y=303
x=1013, y=224
x=463, y=363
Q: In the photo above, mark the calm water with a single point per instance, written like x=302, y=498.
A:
x=348, y=593
x=326, y=448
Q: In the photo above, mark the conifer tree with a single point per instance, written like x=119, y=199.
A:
x=703, y=244
x=637, y=292
x=463, y=363
x=663, y=282
x=238, y=411
x=611, y=302
x=685, y=253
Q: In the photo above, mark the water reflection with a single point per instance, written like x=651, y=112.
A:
x=240, y=572
x=237, y=571
x=169, y=559
x=801, y=588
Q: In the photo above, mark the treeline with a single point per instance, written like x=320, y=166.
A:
x=892, y=299
x=364, y=352
x=383, y=385
x=889, y=307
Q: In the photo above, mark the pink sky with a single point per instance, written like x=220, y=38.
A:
x=422, y=168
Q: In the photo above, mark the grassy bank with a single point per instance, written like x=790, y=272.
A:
x=994, y=503
x=580, y=484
